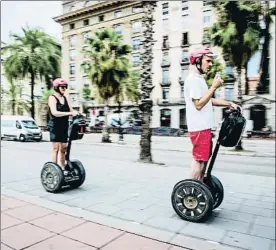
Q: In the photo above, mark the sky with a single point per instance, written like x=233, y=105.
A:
x=37, y=14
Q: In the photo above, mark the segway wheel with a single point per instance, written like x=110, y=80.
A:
x=192, y=200
x=51, y=177
x=79, y=171
x=216, y=189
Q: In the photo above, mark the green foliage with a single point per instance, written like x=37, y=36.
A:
x=216, y=68
x=86, y=93
x=47, y=93
x=108, y=62
x=34, y=55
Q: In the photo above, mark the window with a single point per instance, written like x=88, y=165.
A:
x=166, y=93
x=165, y=9
x=137, y=9
x=165, y=76
x=165, y=42
x=184, y=22
x=7, y=124
x=18, y=125
x=182, y=91
x=206, y=17
x=72, y=54
x=166, y=26
x=72, y=83
x=117, y=13
x=229, y=93
x=86, y=81
x=136, y=27
x=118, y=29
x=86, y=22
x=184, y=5
x=101, y=18
x=72, y=8
x=184, y=73
x=136, y=43
x=185, y=56
x=206, y=3
x=185, y=40
x=136, y=60
x=72, y=26
x=165, y=58
x=72, y=40
x=86, y=3
x=85, y=37
x=72, y=69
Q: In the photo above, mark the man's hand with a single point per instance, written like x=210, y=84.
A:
x=234, y=106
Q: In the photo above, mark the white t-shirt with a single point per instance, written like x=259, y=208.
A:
x=195, y=87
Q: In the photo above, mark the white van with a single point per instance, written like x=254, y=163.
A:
x=20, y=128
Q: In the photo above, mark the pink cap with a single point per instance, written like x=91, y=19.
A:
x=200, y=52
x=59, y=81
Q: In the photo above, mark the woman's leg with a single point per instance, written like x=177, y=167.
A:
x=55, y=149
x=62, y=152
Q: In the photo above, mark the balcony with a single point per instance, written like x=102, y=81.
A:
x=165, y=63
x=165, y=83
x=181, y=81
x=171, y=101
x=185, y=61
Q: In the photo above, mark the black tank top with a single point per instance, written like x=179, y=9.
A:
x=63, y=120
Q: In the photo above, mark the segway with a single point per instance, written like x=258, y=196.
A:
x=53, y=178
x=195, y=200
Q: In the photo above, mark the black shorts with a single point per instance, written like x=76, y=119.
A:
x=59, y=136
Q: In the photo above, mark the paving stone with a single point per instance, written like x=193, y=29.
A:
x=102, y=208
x=59, y=242
x=136, y=216
x=230, y=206
x=228, y=224
x=246, y=241
x=4, y=247
x=59, y=197
x=10, y=203
x=134, y=242
x=169, y=224
x=93, y=234
x=8, y=221
x=203, y=231
x=260, y=204
x=233, y=215
x=265, y=221
x=29, y=212
x=57, y=222
x=80, y=202
x=256, y=211
x=133, y=205
x=263, y=231
x=272, y=247
x=246, y=196
x=230, y=199
x=23, y=235
x=197, y=244
x=268, y=199
x=160, y=210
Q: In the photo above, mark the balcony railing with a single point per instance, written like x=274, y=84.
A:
x=170, y=101
x=165, y=83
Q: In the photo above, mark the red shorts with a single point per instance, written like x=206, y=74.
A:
x=202, y=144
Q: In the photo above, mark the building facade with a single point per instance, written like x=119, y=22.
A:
x=180, y=26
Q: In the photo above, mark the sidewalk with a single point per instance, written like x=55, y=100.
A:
x=28, y=226
x=257, y=148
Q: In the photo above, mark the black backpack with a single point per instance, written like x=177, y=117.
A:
x=232, y=128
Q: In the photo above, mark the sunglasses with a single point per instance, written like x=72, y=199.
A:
x=63, y=87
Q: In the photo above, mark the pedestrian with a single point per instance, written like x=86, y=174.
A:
x=60, y=110
x=199, y=109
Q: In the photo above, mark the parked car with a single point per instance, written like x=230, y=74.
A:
x=20, y=128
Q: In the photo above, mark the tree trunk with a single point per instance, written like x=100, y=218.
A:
x=121, y=136
x=146, y=80
x=105, y=137
x=239, y=76
x=32, y=96
x=13, y=107
x=263, y=87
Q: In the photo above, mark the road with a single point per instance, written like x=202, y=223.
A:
x=123, y=193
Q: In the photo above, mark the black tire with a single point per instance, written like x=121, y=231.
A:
x=22, y=138
x=52, y=177
x=80, y=171
x=186, y=190
x=216, y=189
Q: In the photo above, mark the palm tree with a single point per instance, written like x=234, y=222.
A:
x=107, y=66
x=238, y=33
x=146, y=80
x=13, y=100
x=33, y=55
x=216, y=68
